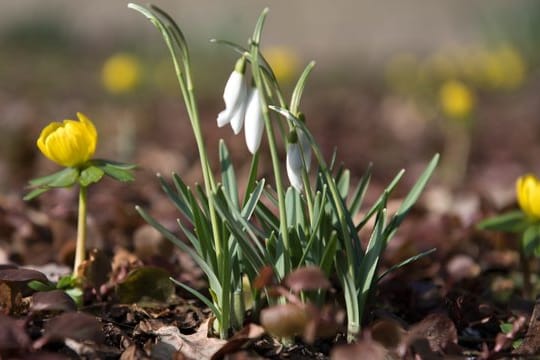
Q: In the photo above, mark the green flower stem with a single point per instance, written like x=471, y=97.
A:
x=80, y=250
x=276, y=165
x=525, y=269
x=183, y=73
x=222, y=249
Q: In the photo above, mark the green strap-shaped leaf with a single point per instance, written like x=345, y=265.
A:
x=228, y=177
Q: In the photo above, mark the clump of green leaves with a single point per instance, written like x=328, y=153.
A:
x=313, y=223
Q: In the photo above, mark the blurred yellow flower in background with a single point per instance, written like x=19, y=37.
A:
x=121, y=73
x=502, y=68
x=69, y=143
x=284, y=62
x=511, y=67
x=401, y=73
x=528, y=195
x=456, y=99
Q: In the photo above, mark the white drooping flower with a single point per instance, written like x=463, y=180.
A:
x=234, y=96
x=254, y=121
x=298, y=155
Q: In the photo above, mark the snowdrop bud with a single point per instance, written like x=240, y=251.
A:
x=254, y=121
x=234, y=96
x=298, y=156
x=294, y=164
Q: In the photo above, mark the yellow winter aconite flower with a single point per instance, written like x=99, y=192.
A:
x=528, y=195
x=456, y=99
x=69, y=143
x=121, y=73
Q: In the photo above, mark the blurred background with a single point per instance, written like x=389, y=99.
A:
x=394, y=83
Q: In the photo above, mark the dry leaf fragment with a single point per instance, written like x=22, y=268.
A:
x=195, y=346
x=71, y=325
x=306, y=278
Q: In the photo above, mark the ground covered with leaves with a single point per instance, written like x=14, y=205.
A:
x=467, y=299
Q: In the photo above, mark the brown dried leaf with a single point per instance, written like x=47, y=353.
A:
x=247, y=334
x=264, y=279
x=55, y=300
x=195, y=346
x=96, y=269
x=284, y=320
x=306, y=279
x=132, y=352
x=323, y=323
x=12, y=335
x=365, y=348
x=6, y=302
x=72, y=325
x=462, y=267
x=437, y=329
x=388, y=333
x=21, y=275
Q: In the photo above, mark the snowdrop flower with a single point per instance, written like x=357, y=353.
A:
x=254, y=122
x=234, y=95
x=298, y=155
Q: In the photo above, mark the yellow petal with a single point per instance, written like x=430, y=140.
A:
x=528, y=195
x=70, y=143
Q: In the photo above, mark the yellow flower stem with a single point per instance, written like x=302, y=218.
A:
x=525, y=269
x=80, y=250
x=456, y=154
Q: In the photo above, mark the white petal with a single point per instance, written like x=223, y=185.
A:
x=234, y=96
x=293, y=171
x=237, y=118
x=223, y=118
x=254, y=122
x=235, y=89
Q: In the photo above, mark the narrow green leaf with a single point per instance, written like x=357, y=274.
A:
x=177, y=198
x=343, y=183
x=299, y=88
x=358, y=195
x=199, y=296
x=253, y=200
x=228, y=177
x=242, y=230
x=256, y=38
x=184, y=247
x=406, y=262
x=329, y=254
x=417, y=189
x=381, y=200
x=371, y=259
